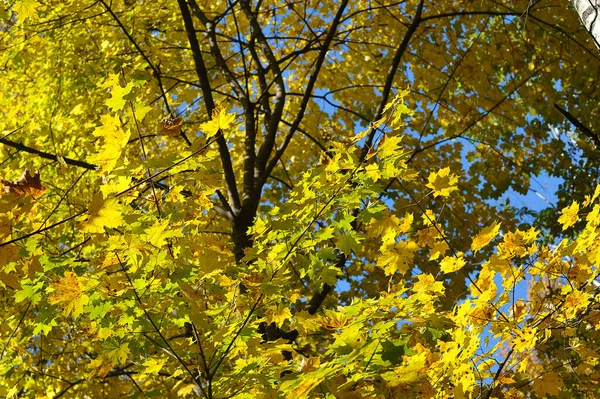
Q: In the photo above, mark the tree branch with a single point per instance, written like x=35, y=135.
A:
x=309, y=88
x=276, y=113
x=582, y=128
x=46, y=155
x=143, y=54
x=202, y=73
x=387, y=87
x=317, y=300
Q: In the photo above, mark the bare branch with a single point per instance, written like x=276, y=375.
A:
x=202, y=73
x=304, y=102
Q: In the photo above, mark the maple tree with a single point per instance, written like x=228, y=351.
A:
x=297, y=199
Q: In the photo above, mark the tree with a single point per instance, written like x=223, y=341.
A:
x=297, y=199
x=588, y=12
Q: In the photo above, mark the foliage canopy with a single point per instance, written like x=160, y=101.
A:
x=297, y=199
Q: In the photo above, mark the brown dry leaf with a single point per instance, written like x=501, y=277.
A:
x=10, y=280
x=171, y=127
x=27, y=184
x=34, y=266
x=9, y=253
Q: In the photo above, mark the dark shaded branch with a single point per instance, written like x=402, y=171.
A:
x=498, y=372
x=582, y=128
x=217, y=55
x=470, y=13
x=67, y=388
x=143, y=54
x=309, y=88
x=46, y=155
x=157, y=330
x=202, y=73
x=251, y=118
x=317, y=300
x=276, y=113
x=387, y=87
x=286, y=184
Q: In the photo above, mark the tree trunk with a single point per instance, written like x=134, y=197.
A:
x=588, y=13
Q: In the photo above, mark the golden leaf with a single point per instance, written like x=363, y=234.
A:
x=569, y=216
x=484, y=237
x=442, y=182
x=220, y=121
x=68, y=294
x=102, y=214
x=452, y=263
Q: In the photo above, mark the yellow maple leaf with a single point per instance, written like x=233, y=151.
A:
x=186, y=390
x=591, y=198
x=119, y=353
x=438, y=249
x=25, y=9
x=428, y=218
x=100, y=366
x=442, y=182
x=525, y=339
x=515, y=243
x=406, y=224
x=102, y=214
x=12, y=392
x=153, y=366
x=306, y=323
x=141, y=111
x=389, y=147
x=575, y=302
x=397, y=256
x=114, y=141
x=452, y=263
x=279, y=316
x=569, y=216
x=115, y=185
x=389, y=222
x=363, y=134
x=409, y=372
x=68, y=293
x=593, y=217
x=426, y=287
x=301, y=387
x=465, y=379
x=156, y=234
x=548, y=384
x=221, y=120
x=112, y=80
x=484, y=237
x=116, y=102
x=596, y=193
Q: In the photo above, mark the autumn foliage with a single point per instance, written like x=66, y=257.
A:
x=297, y=199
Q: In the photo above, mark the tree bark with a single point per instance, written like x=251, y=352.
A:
x=588, y=13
